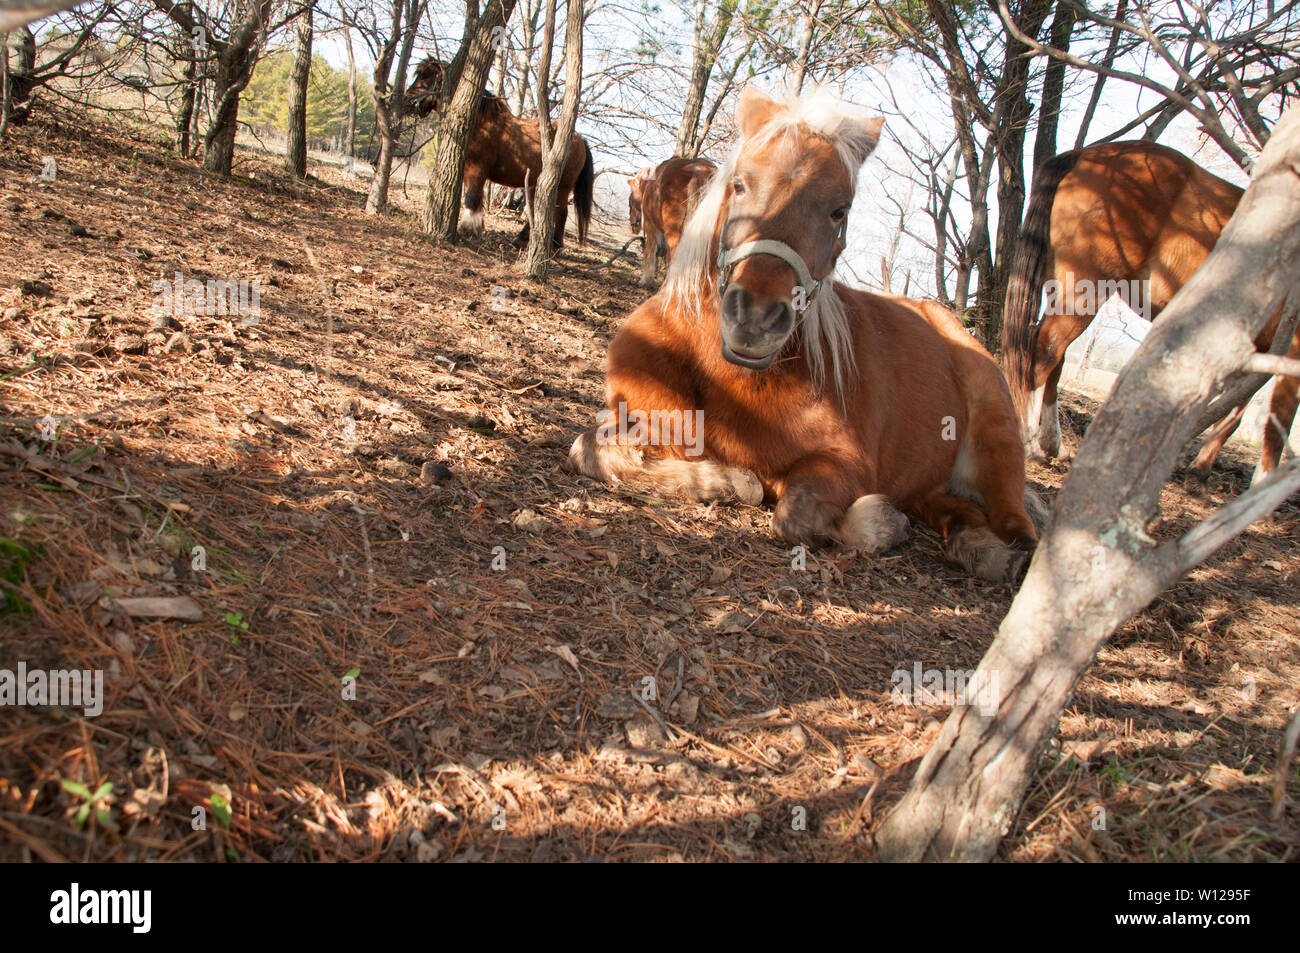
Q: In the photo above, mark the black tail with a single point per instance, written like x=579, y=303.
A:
x=1025, y=285
x=583, y=192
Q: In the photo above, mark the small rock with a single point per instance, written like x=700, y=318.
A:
x=78, y=231
x=129, y=344
x=617, y=704
x=37, y=287
x=467, y=272
x=529, y=522
x=501, y=291
x=349, y=407
x=179, y=340
x=432, y=473
x=13, y=314
x=644, y=732
x=155, y=339
x=161, y=322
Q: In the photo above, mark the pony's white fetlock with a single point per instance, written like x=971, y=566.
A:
x=873, y=524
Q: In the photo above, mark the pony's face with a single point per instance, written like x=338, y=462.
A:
x=424, y=94
x=791, y=185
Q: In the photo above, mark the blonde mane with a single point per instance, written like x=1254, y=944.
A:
x=690, y=284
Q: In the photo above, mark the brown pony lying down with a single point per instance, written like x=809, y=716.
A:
x=752, y=375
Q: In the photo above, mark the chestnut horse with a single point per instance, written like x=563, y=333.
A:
x=1115, y=216
x=508, y=150
x=754, y=375
x=660, y=200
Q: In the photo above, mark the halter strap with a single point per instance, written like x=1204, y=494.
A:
x=727, y=258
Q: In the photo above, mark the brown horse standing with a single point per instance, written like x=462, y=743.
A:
x=752, y=374
x=508, y=150
x=661, y=201
x=1103, y=218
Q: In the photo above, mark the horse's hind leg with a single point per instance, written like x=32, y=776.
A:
x=1049, y=422
x=1042, y=424
x=596, y=454
x=1281, y=414
x=1218, y=436
x=969, y=541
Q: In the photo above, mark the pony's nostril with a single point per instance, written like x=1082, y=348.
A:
x=735, y=304
x=778, y=318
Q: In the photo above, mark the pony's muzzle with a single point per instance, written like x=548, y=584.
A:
x=753, y=333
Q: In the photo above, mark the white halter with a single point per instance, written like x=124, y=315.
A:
x=727, y=258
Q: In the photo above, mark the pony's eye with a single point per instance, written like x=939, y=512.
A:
x=837, y=216
x=737, y=187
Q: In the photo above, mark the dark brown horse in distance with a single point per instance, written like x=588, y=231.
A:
x=660, y=200
x=508, y=150
x=1133, y=218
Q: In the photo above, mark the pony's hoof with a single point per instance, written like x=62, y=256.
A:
x=986, y=557
x=745, y=486
x=872, y=524
x=803, y=517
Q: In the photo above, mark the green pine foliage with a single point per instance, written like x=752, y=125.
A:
x=265, y=103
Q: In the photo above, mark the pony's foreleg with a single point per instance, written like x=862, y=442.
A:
x=821, y=501
x=472, y=186
x=561, y=219
x=650, y=258
x=598, y=454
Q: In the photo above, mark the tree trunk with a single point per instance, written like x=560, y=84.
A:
x=390, y=102
x=805, y=45
x=1097, y=566
x=350, y=132
x=235, y=61
x=442, y=201
x=185, y=52
x=555, y=148
x=1011, y=125
x=1049, y=109
x=704, y=57
x=295, y=158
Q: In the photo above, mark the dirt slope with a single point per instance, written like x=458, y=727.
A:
x=355, y=464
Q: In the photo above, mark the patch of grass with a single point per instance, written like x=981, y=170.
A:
x=14, y=560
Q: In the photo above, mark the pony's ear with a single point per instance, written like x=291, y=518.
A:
x=863, y=135
x=754, y=111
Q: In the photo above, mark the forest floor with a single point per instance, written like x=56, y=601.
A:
x=407, y=633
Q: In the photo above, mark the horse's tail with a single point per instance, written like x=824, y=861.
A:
x=1025, y=285
x=583, y=193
